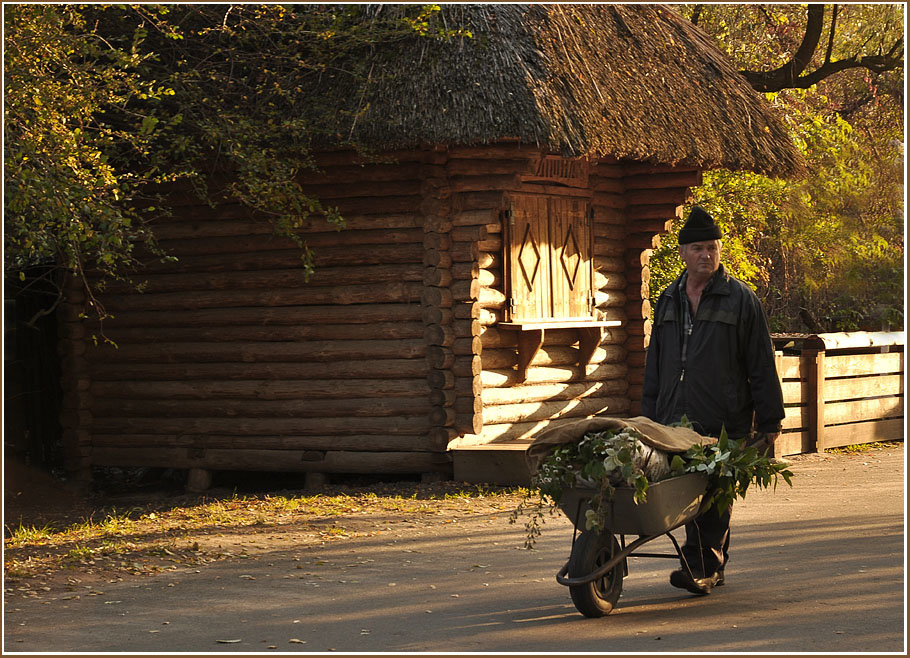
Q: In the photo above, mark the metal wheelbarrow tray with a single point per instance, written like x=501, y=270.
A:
x=598, y=561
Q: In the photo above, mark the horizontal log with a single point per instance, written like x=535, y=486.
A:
x=442, y=417
x=462, y=252
x=262, y=389
x=609, y=248
x=467, y=366
x=468, y=346
x=489, y=260
x=635, y=310
x=435, y=334
x=475, y=217
x=606, y=298
x=538, y=411
x=392, y=425
x=237, y=220
x=491, y=299
x=336, y=192
x=439, y=357
x=387, y=292
x=247, y=352
x=466, y=290
x=508, y=377
x=364, y=314
x=551, y=356
x=340, y=407
x=267, y=243
x=610, y=266
x=609, y=231
x=553, y=392
x=490, y=244
x=286, y=258
x=441, y=379
x=277, y=278
x=642, y=240
x=665, y=180
x=354, y=173
x=662, y=212
x=607, y=185
x=437, y=258
x=435, y=276
x=275, y=333
x=341, y=461
x=362, y=442
x=487, y=167
x=493, y=337
x=484, y=183
x=379, y=205
x=605, y=210
x=656, y=196
x=609, y=280
x=469, y=423
x=437, y=315
x=479, y=201
x=436, y=297
x=442, y=397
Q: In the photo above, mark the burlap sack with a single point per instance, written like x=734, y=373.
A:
x=661, y=437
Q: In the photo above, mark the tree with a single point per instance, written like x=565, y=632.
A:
x=825, y=252
x=105, y=104
x=856, y=37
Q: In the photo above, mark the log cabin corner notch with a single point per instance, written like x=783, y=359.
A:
x=404, y=344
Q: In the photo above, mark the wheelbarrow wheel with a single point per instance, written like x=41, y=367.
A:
x=591, y=550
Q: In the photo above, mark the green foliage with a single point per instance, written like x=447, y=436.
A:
x=602, y=461
x=106, y=103
x=731, y=468
x=831, y=243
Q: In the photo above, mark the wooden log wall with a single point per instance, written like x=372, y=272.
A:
x=652, y=198
x=554, y=387
x=230, y=359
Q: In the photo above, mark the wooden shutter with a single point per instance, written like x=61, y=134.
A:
x=571, y=257
x=549, y=259
x=529, y=258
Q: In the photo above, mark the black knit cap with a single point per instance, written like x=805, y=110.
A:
x=699, y=227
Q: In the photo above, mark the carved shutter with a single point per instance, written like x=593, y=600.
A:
x=571, y=256
x=529, y=260
x=549, y=258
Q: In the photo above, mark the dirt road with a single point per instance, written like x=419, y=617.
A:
x=815, y=568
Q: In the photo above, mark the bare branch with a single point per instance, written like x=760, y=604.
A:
x=786, y=75
x=831, y=34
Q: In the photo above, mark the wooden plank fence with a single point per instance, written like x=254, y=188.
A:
x=841, y=390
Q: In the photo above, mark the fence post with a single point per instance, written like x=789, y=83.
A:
x=814, y=361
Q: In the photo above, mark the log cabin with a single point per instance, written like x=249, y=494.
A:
x=492, y=275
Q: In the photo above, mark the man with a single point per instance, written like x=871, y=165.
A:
x=711, y=360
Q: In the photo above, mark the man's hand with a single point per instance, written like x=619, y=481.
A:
x=763, y=442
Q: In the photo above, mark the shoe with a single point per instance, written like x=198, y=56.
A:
x=681, y=579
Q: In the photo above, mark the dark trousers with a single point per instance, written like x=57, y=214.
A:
x=707, y=542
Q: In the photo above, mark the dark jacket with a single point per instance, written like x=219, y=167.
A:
x=729, y=376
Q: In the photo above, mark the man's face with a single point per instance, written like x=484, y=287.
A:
x=701, y=258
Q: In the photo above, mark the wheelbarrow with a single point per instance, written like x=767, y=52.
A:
x=599, y=559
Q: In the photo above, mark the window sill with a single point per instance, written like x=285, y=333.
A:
x=531, y=337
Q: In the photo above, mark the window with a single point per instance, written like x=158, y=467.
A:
x=548, y=259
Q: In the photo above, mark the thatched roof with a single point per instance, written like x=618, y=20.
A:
x=629, y=81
